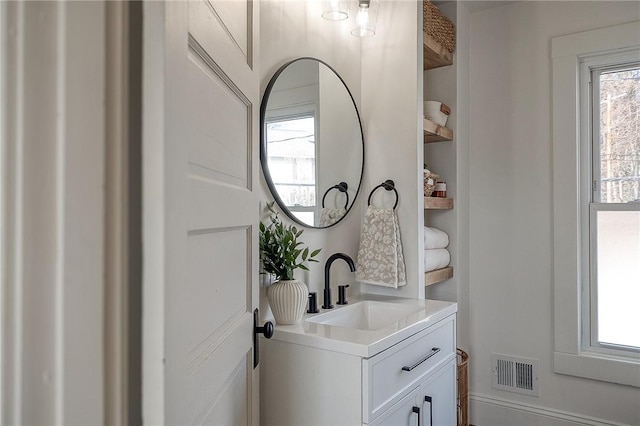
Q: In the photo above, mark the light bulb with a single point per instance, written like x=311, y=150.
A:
x=363, y=16
x=366, y=18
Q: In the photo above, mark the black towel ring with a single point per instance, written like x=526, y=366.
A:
x=342, y=187
x=389, y=185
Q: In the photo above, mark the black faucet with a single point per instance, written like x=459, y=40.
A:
x=327, y=267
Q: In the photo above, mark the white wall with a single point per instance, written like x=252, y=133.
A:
x=390, y=112
x=293, y=29
x=392, y=115
x=510, y=212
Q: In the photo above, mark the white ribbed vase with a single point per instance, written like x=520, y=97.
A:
x=288, y=300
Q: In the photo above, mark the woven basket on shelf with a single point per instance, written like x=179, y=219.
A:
x=430, y=180
x=438, y=26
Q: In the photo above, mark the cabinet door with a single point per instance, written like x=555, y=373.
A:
x=437, y=397
x=406, y=412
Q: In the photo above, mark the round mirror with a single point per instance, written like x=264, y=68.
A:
x=311, y=143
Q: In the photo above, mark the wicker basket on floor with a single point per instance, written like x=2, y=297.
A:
x=438, y=26
x=463, y=387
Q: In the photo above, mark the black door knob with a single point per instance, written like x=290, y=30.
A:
x=266, y=330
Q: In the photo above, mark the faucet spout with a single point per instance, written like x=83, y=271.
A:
x=327, y=269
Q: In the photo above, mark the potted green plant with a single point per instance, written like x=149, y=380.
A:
x=281, y=254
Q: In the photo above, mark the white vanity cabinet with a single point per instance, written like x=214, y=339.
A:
x=305, y=385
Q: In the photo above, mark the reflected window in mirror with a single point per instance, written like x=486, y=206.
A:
x=291, y=156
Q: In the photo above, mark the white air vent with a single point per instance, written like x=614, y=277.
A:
x=514, y=374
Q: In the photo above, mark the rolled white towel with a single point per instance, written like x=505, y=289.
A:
x=435, y=238
x=436, y=259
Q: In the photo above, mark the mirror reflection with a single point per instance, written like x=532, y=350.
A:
x=312, y=149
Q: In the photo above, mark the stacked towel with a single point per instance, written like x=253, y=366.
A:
x=436, y=255
x=436, y=259
x=380, y=257
x=435, y=238
x=330, y=216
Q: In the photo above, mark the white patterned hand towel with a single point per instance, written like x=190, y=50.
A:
x=436, y=259
x=330, y=216
x=380, y=257
x=435, y=238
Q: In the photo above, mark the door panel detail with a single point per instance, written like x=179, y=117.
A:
x=230, y=406
x=219, y=132
x=216, y=265
x=226, y=22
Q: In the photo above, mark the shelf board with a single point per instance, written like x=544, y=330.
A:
x=433, y=277
x=435, y=55
x=438, y=203
x=435, y=133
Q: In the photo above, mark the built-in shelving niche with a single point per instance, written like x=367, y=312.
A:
x=435, y=56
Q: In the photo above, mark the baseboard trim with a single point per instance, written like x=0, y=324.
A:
x=561, y=417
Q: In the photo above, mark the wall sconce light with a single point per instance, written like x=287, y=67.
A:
x=335, y=10
x=366, y=18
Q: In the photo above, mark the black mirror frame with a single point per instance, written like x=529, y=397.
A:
x=263, y=144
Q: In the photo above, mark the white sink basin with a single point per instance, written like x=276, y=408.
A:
x=367, y=315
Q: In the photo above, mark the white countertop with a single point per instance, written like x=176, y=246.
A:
x=365, y=343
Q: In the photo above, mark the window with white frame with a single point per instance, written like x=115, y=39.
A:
x=291, y=153
x=596, y=213
x=610, y=122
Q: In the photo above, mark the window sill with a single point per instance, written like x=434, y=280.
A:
x=596, y=366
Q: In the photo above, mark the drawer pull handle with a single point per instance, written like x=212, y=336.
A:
x=416, y=410
x=430, y=401
x=429, y=355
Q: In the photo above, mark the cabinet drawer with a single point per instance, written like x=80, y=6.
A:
x=389, y=374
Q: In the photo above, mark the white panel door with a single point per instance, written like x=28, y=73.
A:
x=200, y=212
